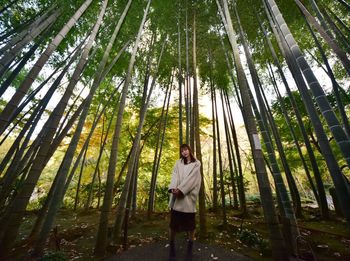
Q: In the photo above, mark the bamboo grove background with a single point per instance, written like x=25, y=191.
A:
x=97, y=96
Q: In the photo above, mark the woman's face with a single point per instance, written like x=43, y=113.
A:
x=185, y=152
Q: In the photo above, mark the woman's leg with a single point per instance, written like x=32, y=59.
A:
x=189, y=251
x=190, y=235
x=172, y=234
x=172, y=251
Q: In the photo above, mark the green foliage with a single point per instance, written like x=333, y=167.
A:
x=254, y=198
x=54, y=256
x=252, y=239
x=290, y=149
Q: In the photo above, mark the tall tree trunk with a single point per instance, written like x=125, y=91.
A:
x=229, y=153
x=276, y=240
x=194, y=75
x=17, y=209
x=10, y=55
x=156, y=155
x=101, y=240
x=134, y=183
x=180, y=81
x=290, y=224
x=196, y=133
x=335, y=84
x=343, y=25
x=339, y=34
x=94, y=175
x=143, y=110
x=324, y=25
x=221, y=171
x=295, y=139
x=332, y=44
x=314, y=164
x=65, y=165
x=339, y=134
x=240, y=180
x=28, y=32
x=19, y=67
x=37, y=67
x=77, y=192
x=188, y=86
x=163, y=136
x=290, y=179
x=214, y=119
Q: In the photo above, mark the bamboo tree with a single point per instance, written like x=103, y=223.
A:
x=295, y=139
x=10, y=55
x=343, y=25
x=17, y=162
x=19, y=67
x=156, y=155
x=134, y=182
x=188, y=84
x=316, y=171
x=29, y=32
x=338, y=132
x=335, y=84
x=193, y=144
x=95, y=173
x=240, y=179
x=52, y=199
x=277, y=137
x=229, y=153
x=17, y=209
x=214, y=120
x=290, y=224
x=196, y=133
x=233, y=130
x=7, y=112
x=77, y=192
x=101, y=240
x=332, y=44
x=321, y=18
x=122, y=206
x=180, y=80
x=276, y=240
x=221, y=172
x=163, y=135
x=65, y=165
x=342, y=39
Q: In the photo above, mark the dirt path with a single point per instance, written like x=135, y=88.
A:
x=158, y=251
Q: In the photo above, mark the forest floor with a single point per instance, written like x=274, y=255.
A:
x=76, y=234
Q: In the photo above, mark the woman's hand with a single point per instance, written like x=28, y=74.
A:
x=177, y=193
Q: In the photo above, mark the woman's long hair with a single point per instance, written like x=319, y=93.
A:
x=183, y=147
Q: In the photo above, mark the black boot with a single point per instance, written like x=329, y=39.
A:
x=189, y=250
x=172, y=252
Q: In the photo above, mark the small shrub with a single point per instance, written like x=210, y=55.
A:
x=54, y=256
x=252, y=239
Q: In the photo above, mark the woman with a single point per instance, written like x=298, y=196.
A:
x=184, y=188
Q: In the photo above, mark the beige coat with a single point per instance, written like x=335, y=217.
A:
x=187, y=179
